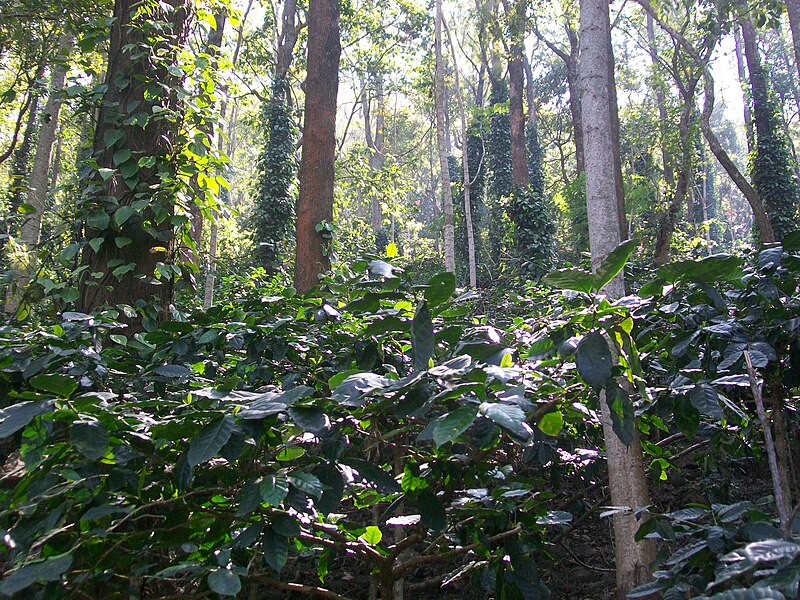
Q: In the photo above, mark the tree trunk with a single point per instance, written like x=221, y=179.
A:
x=128, y=218
x=575, y=106
x=441, y=144
x=663, y=115
x=315, y=202
x=472, y=267
x=38, y=185
x=748, y=191
x=516, y=85
x=669, y=219
x=773, y=176
x=748, y=118
x=375, y=144
x=793, y=9
x=615, y=139
x=627, y=480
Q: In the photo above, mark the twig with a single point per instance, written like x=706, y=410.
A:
x=299, y=587
x=583, y=564
x=772, y=457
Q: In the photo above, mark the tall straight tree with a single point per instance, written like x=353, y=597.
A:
x=516, y=84
x=129, y=203
x=793, y=9
x=441, y=145
x=38, y=184
x=773, y=176
x=627, y=479
x=315, y=202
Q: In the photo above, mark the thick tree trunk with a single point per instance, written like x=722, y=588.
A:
x=126, y=247
x=441, y=144
x=793, y=9
x=315, y=202
x=38, y=184
x=627, y=479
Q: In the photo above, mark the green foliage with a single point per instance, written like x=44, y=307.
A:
x=273, y=213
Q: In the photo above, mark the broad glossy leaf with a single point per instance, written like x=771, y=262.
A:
x=206, y=444
x=224, y=582
x=440, y=288
x=551, y=423
x=55, y=383
x=622, y=414
x=771, y=550
x=453, y=424
x=383, y=481
x=422, y=342
x=613, y=263
x=310, y=419
x=276, y=549
x=380, y=268
x=15, y=417
x=509, y=417
x=706, y=400
x=749, y=594
x=593, y=360
x=306, y=483
x=573, y=278
x=710, y=269
x=352, y=390
x=50, y=569
x=431, y=511
x=273, y=489
x=90, y=439
x=372, y=536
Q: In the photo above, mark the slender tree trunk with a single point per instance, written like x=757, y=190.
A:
x=472, y=267
x=627, y=479
x=315, y=202
x=793, y=9
x=748, y=118
x=748, y=191
x=38, y=185
x=441, y=143
x=375, y=144
x=20, y=163
x=575, y=101
x=516, y=85
x=663, y=115
x=615, y=138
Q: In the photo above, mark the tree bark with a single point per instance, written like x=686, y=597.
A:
x=148, y=234
x=375, y=144
x=748, y=191
x=627, y=480
x=793, y=9
x=748, y=118
x=38, y=185
x=315, y=201
x=472, y=267
x=441, y=144
x=516, y=85
x=663, y=115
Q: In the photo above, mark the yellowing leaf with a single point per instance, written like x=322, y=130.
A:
x=391, y=250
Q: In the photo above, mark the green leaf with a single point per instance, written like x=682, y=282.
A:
x=352, y=391
x=210, y=440
x=98, y=220
x=623, y=419
x=106, y=173
x=112, y=136
x=122, y=214
x=95, y=243
x=440, y=288
x=224, y=582
x=422, y=340
x=706, y=400
x=551, y=423
x=509, y=417
x=273, y=489
x=575, y=279
x=593, y=360
x=121, y=156
x=90, y=439
x=276, y=549
x=15, y=417
x=431, y=511
x=613, y=263
x=310, y=419
x=306, y=483
x=380, y=268
x=55, y=383
x=710, y=269
x=749, y=594
x=50, y=569
x=453, y=424
x=373, y=535
x=373, y=474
